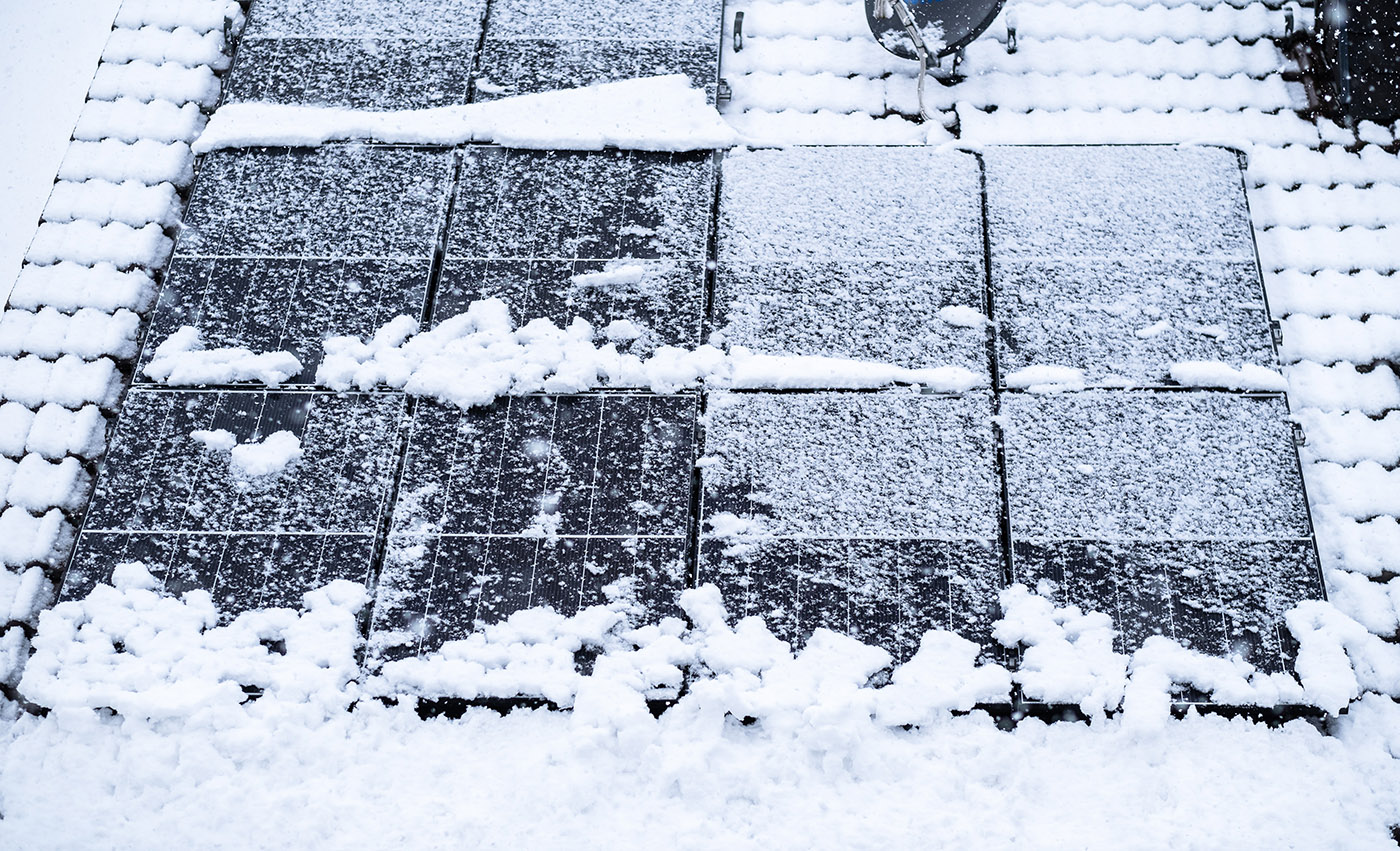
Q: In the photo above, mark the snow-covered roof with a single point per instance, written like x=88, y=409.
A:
x=838, y=271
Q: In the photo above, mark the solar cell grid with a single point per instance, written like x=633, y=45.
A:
x=179, y=504
x=873, y=514
x=536, y=500
x=1123, y=284
x=602, y=235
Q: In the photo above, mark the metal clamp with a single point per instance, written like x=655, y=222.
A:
x=738, y=31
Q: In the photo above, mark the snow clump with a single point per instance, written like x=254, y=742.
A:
x=182, y=361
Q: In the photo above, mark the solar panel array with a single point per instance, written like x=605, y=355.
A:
x=879, y=514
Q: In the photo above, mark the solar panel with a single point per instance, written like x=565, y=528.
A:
x=1178, y=513
x=822, y=251
x=1123, y=284
x=536, y=500
x=166, y=496
x=348, y=201
x=874, y=514
x=284, y=247
x=402, y=55
x=602, y=235
x=285, y=304
x=531, y=46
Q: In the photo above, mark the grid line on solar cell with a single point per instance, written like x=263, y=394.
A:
x=535, y=500
x=601, y=236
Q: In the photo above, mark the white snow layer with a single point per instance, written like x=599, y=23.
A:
x=826, y=760
x=478, y=356
x=649, y=114
x=182, y=361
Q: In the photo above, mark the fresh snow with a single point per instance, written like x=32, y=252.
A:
x=478, y=356
x=50, y=53
x=826, y=760
x=650, y=114
x=182, y=361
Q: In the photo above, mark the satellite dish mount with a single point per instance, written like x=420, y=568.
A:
x=928, y=30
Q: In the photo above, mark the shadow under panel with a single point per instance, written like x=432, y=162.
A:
x=274, y=304
x=242, y=572
x=437, y=588
x=1221, y=598
x=884, y=592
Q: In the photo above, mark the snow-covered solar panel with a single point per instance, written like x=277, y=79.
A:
x=285, y=247
x=533, y=46
x=873, y=514
x=177, y=487
x=1121, y=261
x=1178, y=513
x=873, y=254
x=402, y=55
x=346, y=201
x=602, y=236
x=284, y=304
x=535, y=501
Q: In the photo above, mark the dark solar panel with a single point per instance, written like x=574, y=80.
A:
x=285, y=304
x=1123, y=284
x=533, y=46
x=873, y=514
x=536, y=500
x=823, y=252
x=165, y=495
x=1180, y=514
x=602, y=236
x=342, y=201
x=409, y=54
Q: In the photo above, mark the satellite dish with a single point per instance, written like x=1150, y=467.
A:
x=943, y=25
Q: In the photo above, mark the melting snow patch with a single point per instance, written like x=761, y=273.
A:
x=651, y=114
x=182, y=361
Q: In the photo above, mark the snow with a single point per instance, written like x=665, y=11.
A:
x=1046, y=378
x=480, y=355
x=268, y=458
x=50, y=53
x=822, y=742
x=650, y=114
x=825, y=762
x=182, y=361
x=1216, y=374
